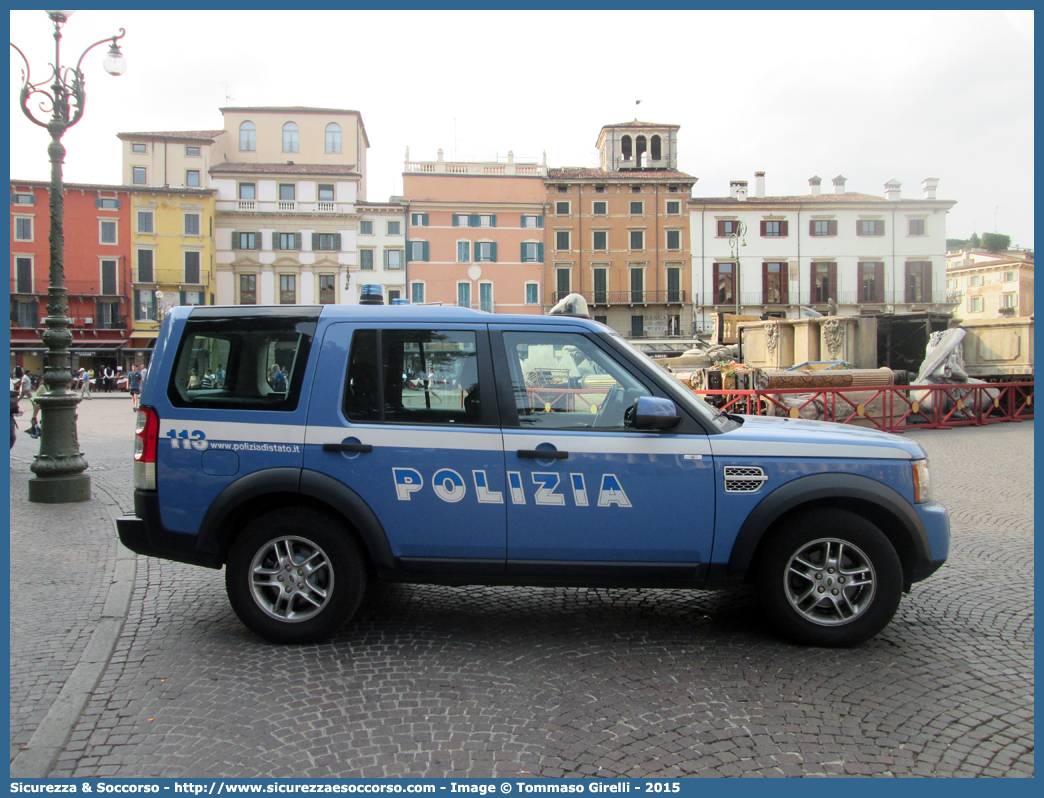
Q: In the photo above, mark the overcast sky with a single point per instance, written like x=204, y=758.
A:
x=869, y=95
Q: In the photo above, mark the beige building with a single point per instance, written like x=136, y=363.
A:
x=994, y=284
x=171, y=159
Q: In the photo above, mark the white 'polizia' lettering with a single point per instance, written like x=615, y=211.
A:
x=450, y=487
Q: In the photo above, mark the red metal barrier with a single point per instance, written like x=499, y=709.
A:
x=891, y=408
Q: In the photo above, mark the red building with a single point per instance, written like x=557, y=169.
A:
x=97, y=279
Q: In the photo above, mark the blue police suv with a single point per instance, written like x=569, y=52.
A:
x=331, y=446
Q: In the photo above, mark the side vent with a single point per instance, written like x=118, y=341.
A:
x=744, y=479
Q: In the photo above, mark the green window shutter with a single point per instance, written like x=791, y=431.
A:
x=275, y=240
x=493, y=220
x=425, y=249
x=315, y=241
x=235, y=240
x=523, y=258
x=337, y=241
x=385, y=259
x=493, y=248
x=425, y=222
x=473, y=220
x=409, y=251
x=540, y=252
x=181, y=297
x=257, y=240
x=540, y=221
x=455, y=220
x=523, y=222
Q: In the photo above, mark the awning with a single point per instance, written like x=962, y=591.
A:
x=82, y=348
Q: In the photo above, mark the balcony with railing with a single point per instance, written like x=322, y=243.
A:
x=808, y=298
x=73, y=288
x=509, y=166
x=606, y=298
x=285, y=206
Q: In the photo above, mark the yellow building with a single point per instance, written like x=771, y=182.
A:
x=172, y=258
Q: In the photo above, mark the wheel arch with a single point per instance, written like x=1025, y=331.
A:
x=256, y=494
x=880, y=504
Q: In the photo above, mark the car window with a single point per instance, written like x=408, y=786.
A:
x=566, y=381
x=420, y=377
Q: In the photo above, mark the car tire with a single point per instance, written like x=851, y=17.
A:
x=829, y=577
x=295, y=575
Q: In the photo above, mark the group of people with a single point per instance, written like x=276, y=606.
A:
x=212, y=378
x=277, y=378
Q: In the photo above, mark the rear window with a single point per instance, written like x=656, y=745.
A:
x=241, y=363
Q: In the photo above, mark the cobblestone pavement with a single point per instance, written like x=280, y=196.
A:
x=457, y=682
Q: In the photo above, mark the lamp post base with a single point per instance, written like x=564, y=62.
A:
x=60, y=490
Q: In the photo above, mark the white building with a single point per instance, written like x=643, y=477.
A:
x=381, y=248
x=769, y=255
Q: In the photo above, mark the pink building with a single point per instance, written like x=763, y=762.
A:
x=475, y=234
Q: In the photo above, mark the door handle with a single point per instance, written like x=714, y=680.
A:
x=538, y=454
x=347, y=447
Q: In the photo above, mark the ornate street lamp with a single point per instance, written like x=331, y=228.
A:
x=736, y=240
x=59, y=466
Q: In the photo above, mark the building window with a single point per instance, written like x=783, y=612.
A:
x=366, y=260
x=824, y=282
x=975, y=304
x=463, y=252
x=599, y=189
x=532, y=222
x=724, y=283
x=247, y=138
x=562, y=208
x=145, y=305
x=394, y=228
x=918, y=281
x=673, y=208
x=366, y=228
x=248, y=289
x=192, y=298
x=599, y=208
x=461, y=220
x=23, y=199
x=393, y=259
x=327, y=289
x=246, y=241
x=393, y=294
x=562, y=240
x=602, y=320
x=109, y=316
x=417, y=293
x=326, y=192
x=774, y=283
x=418, y=250
x=674, y=286
x=637, y=285
x=485, y=250
x=418, y=220
x=106, y=202
x=192, y=267
x=290, y=137
x=772, y=228
x=1009, y=277
x=563, y=189
x=107, y=231
x=24, y=229
x=192, y=152
x=247, y=191
x=532, y=294
x=192, y=178
x=636, y=189
x=145, y=273
x=108, y=278
x=145, y=222
x=637, y=208
x=637, y=239
x=917, y=227
x=1009, y=300
x=562, y=283
x=822, y=227
x=975, y=279
x=637, y=326
x=286, y=241
x=487, y=220
x=532, y=252
x=24, y=314
x=464, y=295
x=138, y=147
x=333, y=137
x=600, y=240
x=24, y=276
x=326, y=242
x=288, y=289
x=727, y=227
x=674, y=239
x=192, y=224
x=287, y=192
x=871, y=281
x=486, y=297
x=138, y=175
x=601, y=281
x=870, y=227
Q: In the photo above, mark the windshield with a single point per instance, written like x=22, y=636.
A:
x=693, y=402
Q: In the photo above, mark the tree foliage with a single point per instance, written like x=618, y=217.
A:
x=995, y=242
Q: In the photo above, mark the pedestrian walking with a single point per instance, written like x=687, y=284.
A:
x=34, y=424
x=16, y=392
x=85, y=384
x=134, y=387
x=26, y=385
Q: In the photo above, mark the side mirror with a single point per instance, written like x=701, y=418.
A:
x=652, y=412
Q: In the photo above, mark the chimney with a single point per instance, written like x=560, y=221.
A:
x=813, y=185
x=929, y=184
x=738, y=189
x=892, y=188
x=839, y=184
x=759, y=184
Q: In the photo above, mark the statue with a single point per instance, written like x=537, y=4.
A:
x=944, y=365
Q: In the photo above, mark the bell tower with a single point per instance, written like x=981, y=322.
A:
x=638, y=145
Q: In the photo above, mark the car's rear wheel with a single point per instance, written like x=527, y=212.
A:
x=830, y=578
x=295, y=575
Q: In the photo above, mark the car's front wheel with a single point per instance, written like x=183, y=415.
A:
x=295, y=575
x=830, y=577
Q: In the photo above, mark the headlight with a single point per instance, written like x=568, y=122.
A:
x=922, y=482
